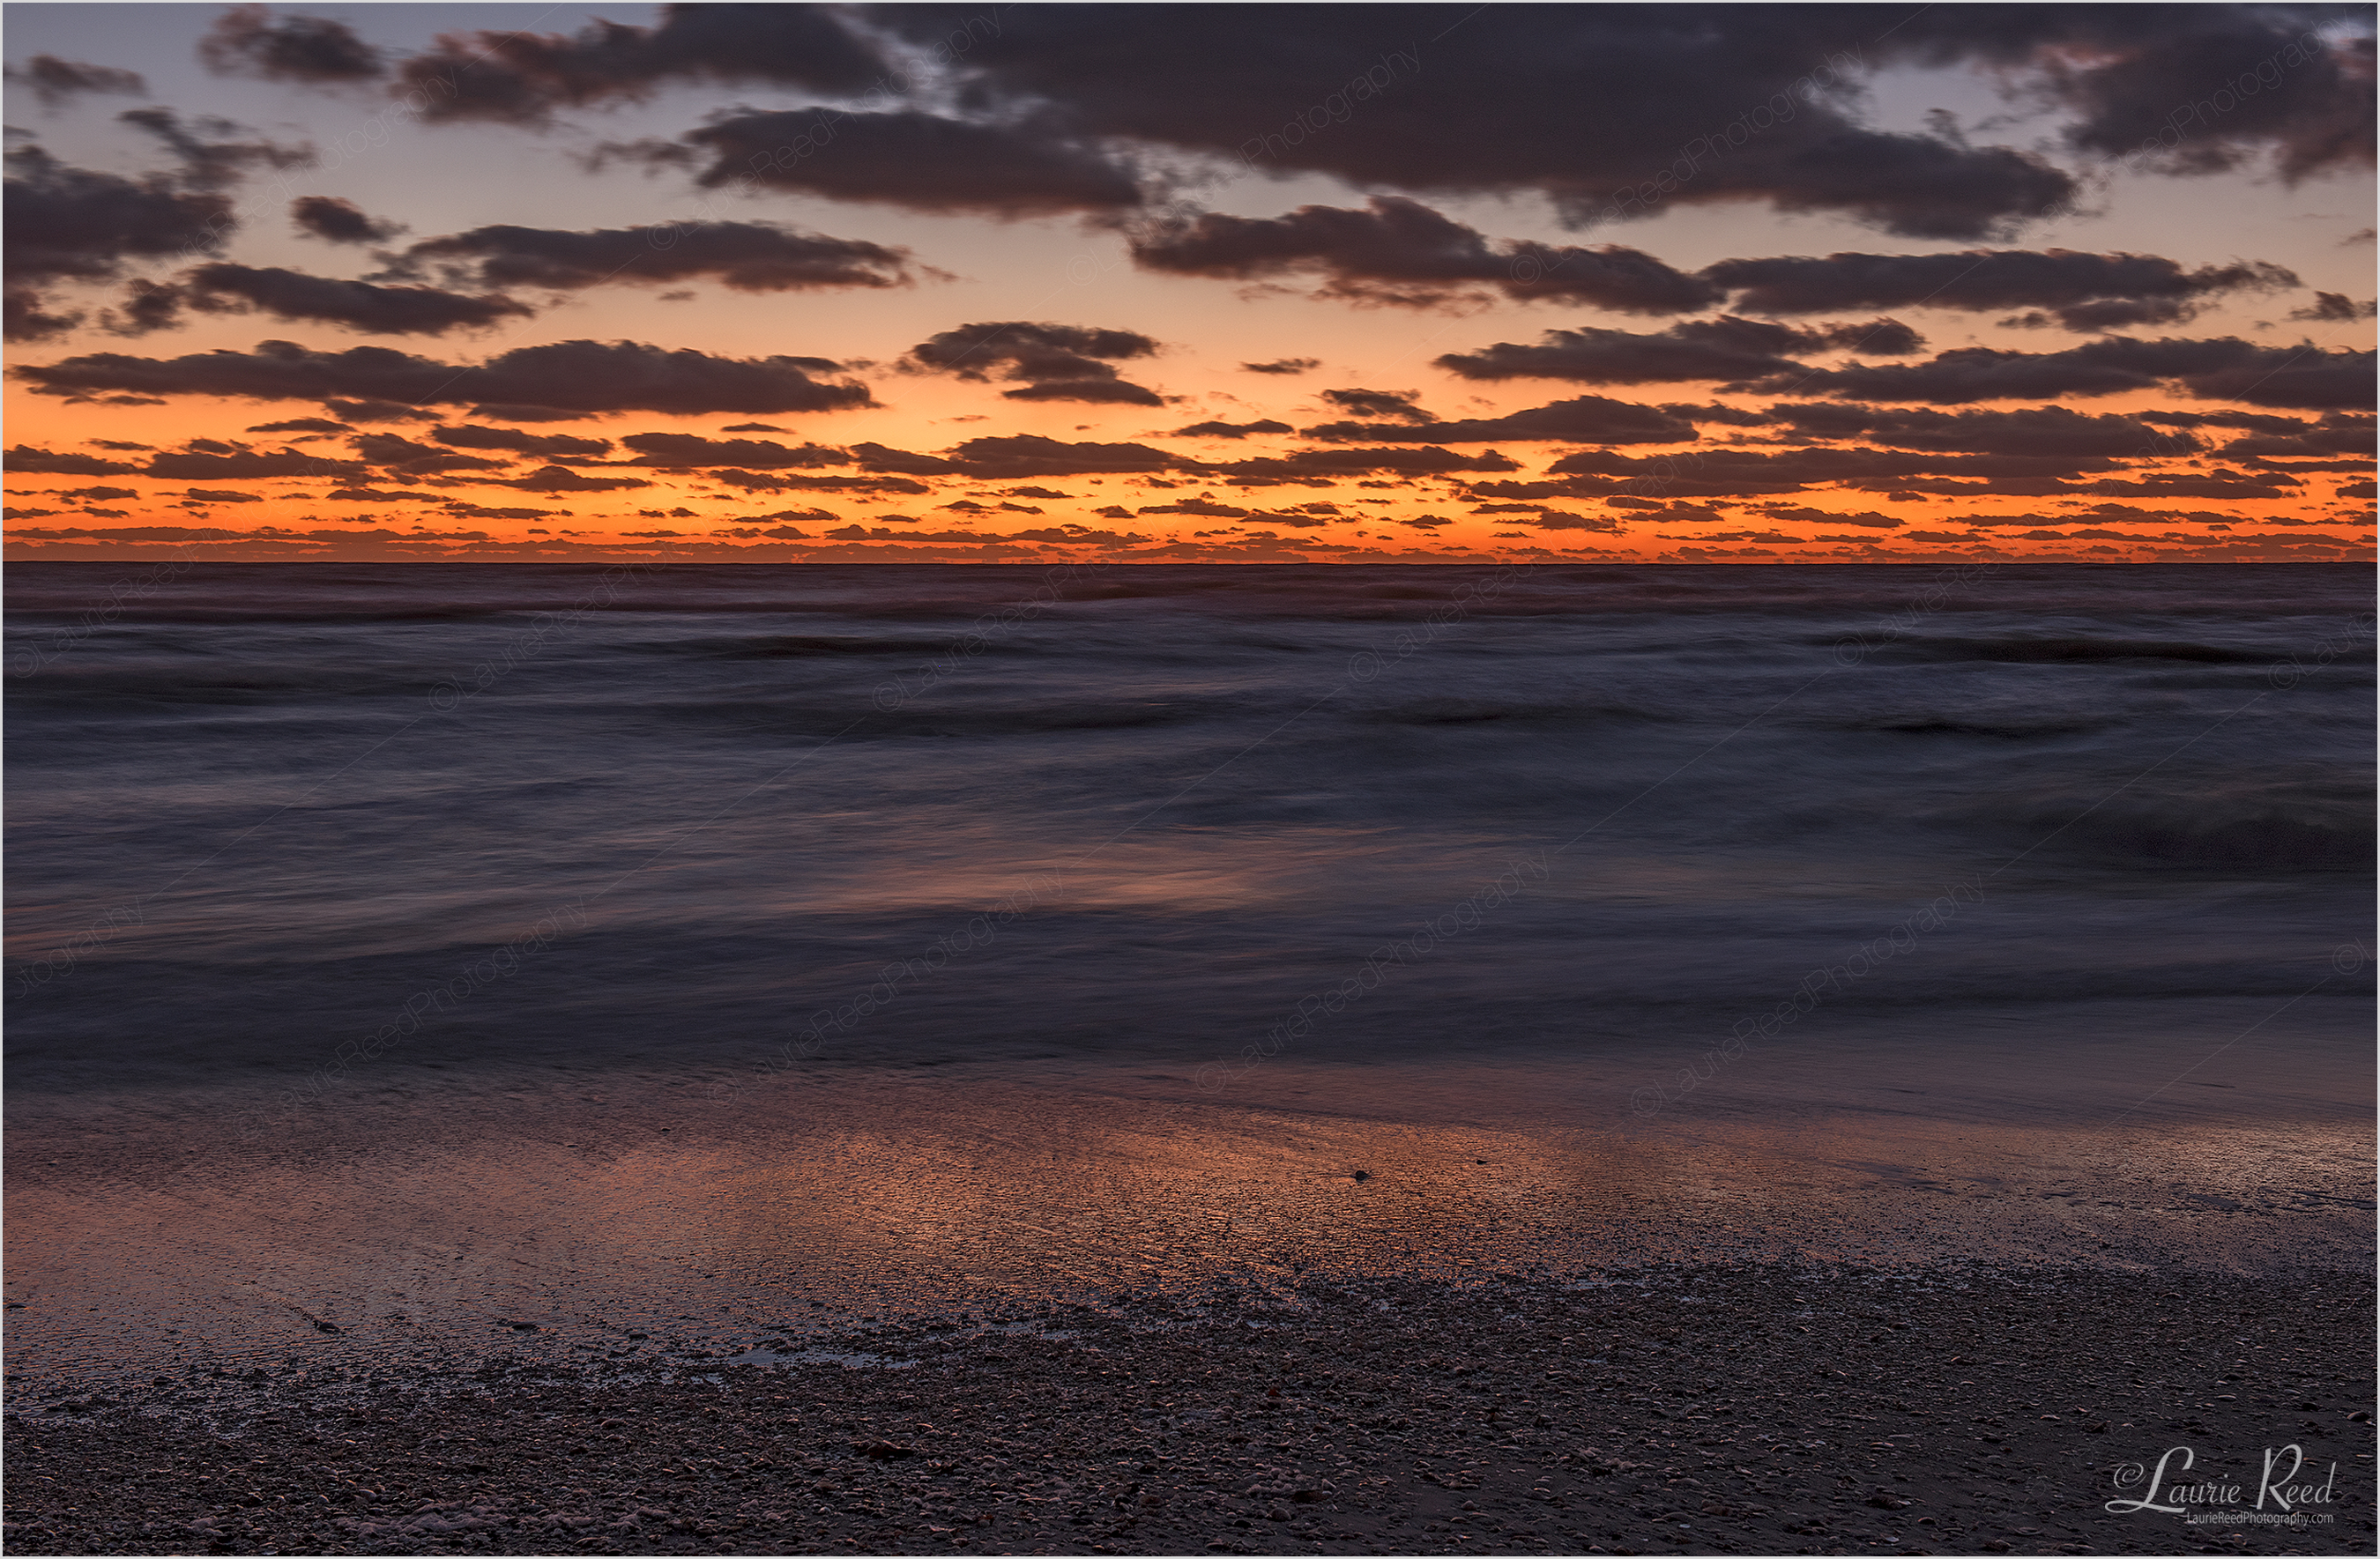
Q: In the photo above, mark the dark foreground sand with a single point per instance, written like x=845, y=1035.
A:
x=1780, y=1410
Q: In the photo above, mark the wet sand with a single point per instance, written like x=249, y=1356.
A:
x=512, y=1258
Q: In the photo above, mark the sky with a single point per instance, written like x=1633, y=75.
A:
x=1200, y=283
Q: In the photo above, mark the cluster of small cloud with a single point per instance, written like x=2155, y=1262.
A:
x=1611, y=114
x=2042, y=452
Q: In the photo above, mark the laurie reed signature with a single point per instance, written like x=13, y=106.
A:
x=2285, y=1495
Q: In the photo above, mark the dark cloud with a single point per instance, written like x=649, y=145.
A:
x=1203, y=506
x=1866, y=518
x=2009, y=522
x=366, y=495
x=556, y=478
x=1013, y=457
x=63, y=222
x=480, y=512
x=23, y=317
x=2084, y=292
x=223, y=287
x=862, y=533
x=685, y=450
x=147, y=306
x=1555, y=519
x=2229, y=484
x=340, y=221
x=2218, y=483
x=564, y=378
x=1688, y=106
x=1711, y=411
x=59, y=221
x=220, y=495
x=2112, y=314
x=514, y=411
x=246, y=40
x=1401, y=252
x=2224, y=368
x=1586, y=419
x=2194, y=89
x=1230, y=429
x=401, y=456
x=114, y=400
x=1877, y=338
x=24, y=460
x=1030, y=454
x=1058, y=362
x=1283, y=365
x=1333, y=462
x=969, y=506
x=548, y=444
x=2039, y=430
x=1610, y=112
x=54, y=80
x=876, y=457
x=756, y=256
x=1396, y=404
x=908, y=158
x=1735, y=472
x=1108, y=392
x=523, y=78
x=301, y=425
x=1724, y=348
x=377, y=411
x=188, y=465
x=2336, y=307
x=213, y=164
x=2336, y=433
x=2246, y=421
x=772, y=481
x=1666, y=514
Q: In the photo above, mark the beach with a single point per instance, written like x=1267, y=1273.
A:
x=1678, y=1061
x=520, y=1314
x=1794, y=1409
x=1186, y=780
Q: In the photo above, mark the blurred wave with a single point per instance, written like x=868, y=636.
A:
x=255, y=808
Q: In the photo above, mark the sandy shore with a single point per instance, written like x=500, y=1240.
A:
x=1818, y=1409
x=644, y=1310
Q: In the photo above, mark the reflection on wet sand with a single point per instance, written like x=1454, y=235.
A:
x=464, y=1214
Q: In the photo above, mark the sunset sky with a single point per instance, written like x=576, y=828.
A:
x=1004, y=283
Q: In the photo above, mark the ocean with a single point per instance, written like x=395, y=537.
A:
x=291, y=829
